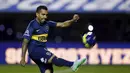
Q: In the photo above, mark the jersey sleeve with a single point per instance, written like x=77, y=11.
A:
x=52, y=23
x=29, y=31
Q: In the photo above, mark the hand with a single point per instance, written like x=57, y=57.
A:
x=22, y=62
x=75, y=17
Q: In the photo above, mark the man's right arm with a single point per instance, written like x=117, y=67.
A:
x=24, y=49
x=27, y=36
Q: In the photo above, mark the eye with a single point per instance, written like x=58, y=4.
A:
x=43, y=14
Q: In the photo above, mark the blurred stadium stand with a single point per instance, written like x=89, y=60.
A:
x=111, y=23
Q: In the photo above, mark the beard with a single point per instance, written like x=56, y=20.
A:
x=43, y=20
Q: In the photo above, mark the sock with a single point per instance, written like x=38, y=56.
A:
x=61, y=62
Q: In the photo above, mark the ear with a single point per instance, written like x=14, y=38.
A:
x=36, y=14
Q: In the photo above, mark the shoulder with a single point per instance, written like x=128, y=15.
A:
x=51, y=21
x=32, y=23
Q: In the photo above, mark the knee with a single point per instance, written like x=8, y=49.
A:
x=48, y=71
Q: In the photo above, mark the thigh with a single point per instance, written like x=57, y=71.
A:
x=41, y=55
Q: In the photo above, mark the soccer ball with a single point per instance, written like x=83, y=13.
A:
x=89, y=39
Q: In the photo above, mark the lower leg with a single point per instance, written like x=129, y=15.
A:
x=61, y=62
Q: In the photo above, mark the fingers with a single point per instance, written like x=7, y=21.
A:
x=22, y=63
x=76, y=17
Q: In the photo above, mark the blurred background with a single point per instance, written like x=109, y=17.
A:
x=110, y=20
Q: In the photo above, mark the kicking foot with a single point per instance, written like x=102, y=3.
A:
x=77, y=64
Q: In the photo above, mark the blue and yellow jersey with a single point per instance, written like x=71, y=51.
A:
x=37, y=33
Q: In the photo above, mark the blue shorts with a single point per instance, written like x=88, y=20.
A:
x=40, y=55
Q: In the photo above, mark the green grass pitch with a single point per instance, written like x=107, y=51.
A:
x=82, y=69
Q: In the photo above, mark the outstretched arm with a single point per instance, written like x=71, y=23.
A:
x=68, y=22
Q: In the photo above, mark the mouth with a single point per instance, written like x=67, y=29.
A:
x=42, y=20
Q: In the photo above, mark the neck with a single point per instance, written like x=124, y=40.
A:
x=38, y=20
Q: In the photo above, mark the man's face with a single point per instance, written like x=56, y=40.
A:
x=42, y=15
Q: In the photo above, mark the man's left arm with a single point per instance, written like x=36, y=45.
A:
x=68, y=22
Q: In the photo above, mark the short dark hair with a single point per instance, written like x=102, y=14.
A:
x=41, y=7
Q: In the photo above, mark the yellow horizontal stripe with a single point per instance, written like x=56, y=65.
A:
x=41, y=37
